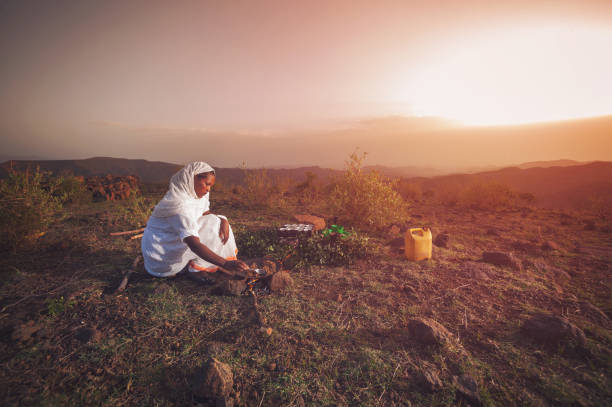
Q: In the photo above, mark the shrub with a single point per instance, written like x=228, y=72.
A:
x=72, y=189
x=488, y=196
x=364, y=199
x=409, y=190
x=134, y=211
x=319, y=249
x=28, y=203
x=332, y=250
x=262, y=190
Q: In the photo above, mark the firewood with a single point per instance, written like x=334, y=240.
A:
x=127, y=274
x=128, y=232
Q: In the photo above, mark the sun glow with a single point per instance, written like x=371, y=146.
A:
x=516, y=75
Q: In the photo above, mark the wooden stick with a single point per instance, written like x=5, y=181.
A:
x=127, y=232
x=138, y=236
x=123, y=285
x=127, y=274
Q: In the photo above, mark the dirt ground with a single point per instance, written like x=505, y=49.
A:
x=340, y=335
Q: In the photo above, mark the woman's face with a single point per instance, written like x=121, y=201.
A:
x=202, y=183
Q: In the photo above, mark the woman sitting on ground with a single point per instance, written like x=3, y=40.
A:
x=182, y=234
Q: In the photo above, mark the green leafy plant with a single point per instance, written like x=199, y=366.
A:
x=57, y=306
x=364, y=199
x=318, y=249
x=335, y=229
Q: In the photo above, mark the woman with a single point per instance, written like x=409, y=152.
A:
x=182, y=233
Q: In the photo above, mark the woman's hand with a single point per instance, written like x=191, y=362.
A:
x=224, y=230
x=236, y=266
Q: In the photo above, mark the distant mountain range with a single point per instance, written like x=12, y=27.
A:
x=560, y=183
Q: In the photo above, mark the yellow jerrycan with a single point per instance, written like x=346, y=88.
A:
x=418, y=244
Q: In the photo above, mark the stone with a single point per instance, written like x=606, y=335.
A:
x=214, y=381
x=477, y=270
x=269, y=267
x=317, y=222
x=492, y=232
x=428, y=332
x=394, y=230
x=280, y=281
x=230, y=287
x=525, y=246
x=112, y=187
x=502, y=259
x=467, y=389
x=87, y=334
x=552, y=330
x=441, y=240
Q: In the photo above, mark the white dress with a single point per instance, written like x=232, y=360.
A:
x=166, y=254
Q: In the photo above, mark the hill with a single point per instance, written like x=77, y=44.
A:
x=570, y=186
x=559, y=183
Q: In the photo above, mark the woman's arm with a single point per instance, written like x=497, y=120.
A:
x=205, y=253
x=224, y=227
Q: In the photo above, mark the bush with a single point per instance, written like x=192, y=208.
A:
x=332, y=250
x=72, y=189
x=133, y=212
x=28, y=203
x=410, y=191
x=365, y=200
x=488, y=196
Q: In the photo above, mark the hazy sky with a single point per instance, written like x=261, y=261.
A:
x=84, y=78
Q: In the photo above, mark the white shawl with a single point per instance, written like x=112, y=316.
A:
x=181, y=197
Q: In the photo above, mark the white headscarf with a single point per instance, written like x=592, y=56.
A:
x=181, y=197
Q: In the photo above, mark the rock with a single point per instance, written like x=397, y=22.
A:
x=214, y=381
x=230, y=287
x=492, y=232
x=478, y=270
x=25, y=331
x=550, y=245
x=551, y=330
x=467, y=389
x=589, y=225
x=441, y=240
x=394, y=230
x=112, y=187
x=86, y=334
x=269, y=266
x=319, y=223
x=525, y=246
x=428, y=331
x=280, y=281
x=430, y=380
x=501, y=259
